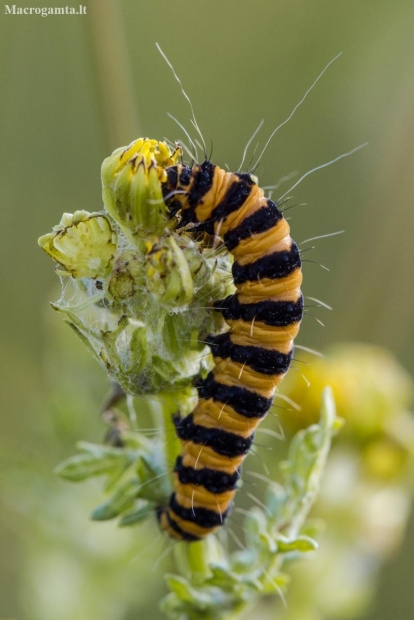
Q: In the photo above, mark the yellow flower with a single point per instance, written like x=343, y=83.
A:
x=83, y=245
x=369, y=386
x=132, y=180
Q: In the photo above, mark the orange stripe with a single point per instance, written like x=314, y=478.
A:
x=221, y=183
x=226, y=379
x=212, y=414
x=244, y=339
x=269, y=289
x=252, y=204
x=259, y=244
x=196, y=496
x=198, y=456
x=243, y=376
x=279, y=338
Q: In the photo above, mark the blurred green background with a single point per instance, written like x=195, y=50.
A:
x=73, y=88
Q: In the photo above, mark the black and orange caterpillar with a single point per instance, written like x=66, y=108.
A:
x=250, y=358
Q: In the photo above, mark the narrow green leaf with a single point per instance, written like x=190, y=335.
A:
x=83, y=466
x=185, y=592
x=122, y=500
x=136, y=516
x=301, y=543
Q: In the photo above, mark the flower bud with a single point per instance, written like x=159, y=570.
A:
x=126, y=277
x=132, y=180
x=168, y=273
x=197, y=264
x=83, y=245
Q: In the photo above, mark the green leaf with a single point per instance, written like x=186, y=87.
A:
x=121, y=501
x=154, y=479
x=301, y=543
x=138, y=350
x=83, y=466
x=227, y=580
x=185, y=592
x=138, y=515
x=103, y=451
x=268, y=543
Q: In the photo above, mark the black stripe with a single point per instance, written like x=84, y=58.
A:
x=213, y=480
x=234, y=198
x=273, y=266
x=159, y=511
x=264, y=219
x=183, y=534
x=173, y=204
x=202, y=182
x=245, y=402
x=275, y=313
x=265, y=361
x=200, y=516
x=222, y=442
x=172, y=179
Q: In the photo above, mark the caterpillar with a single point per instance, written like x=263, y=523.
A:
x=250, y=359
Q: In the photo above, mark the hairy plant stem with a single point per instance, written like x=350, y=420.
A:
x=196, y=557
x=193, y=558
x=163, y=406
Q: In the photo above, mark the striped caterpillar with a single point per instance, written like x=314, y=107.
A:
x=263, y=316
x=250, y=358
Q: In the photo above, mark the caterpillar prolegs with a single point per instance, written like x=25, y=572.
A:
x=250, y=358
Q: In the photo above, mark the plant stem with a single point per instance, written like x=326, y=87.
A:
x=163, y=407
x=112, y=61
x=328, y=415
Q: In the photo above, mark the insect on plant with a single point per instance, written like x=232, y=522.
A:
x=189, y=278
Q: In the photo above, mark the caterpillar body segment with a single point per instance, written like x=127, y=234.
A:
x=251, y=358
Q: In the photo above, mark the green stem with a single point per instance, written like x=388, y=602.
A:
x=192, y=558
x=163, y=407
x=328, y=417
x=113, y=67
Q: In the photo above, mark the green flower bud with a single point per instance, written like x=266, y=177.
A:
x=83, y=245
x=126, y=277
x=168, y=273
x=197, y=265
x=131, y=182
